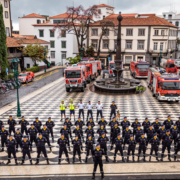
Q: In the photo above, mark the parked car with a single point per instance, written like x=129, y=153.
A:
x=26, y=77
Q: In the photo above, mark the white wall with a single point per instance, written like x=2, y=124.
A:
x=104, y=12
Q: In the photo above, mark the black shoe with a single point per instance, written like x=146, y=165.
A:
x=47, y=161
x=69, y=149
x=144, y=159
x=86, y=159
x=128, y=159
x=52, y=139
x=174, y=158
x=73, y=159
x=107, y=160
x=138, y=158
x=59, y=161
x=111, y=148
x=22, y=162
x=30, y=148
x=123, y=159
x=50, y=149
x=149, y=158
x=2, y=149
x=68, y=160
x=16, y=150
x=158, y=159
x=8, y=162
x=102, y=175
x=93, y=176
x=37, y=161
x=16, y=162
x=114, y=159
x=169, y=159
x=133, y=159
x=79, y=159
x=31, y=162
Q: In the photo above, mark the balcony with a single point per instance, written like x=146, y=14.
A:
x=14, y=55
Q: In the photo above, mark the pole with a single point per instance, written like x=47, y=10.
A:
x=81, y=53
x=160, y=58
x=44, y=59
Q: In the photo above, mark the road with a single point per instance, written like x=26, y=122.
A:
x=25, y=89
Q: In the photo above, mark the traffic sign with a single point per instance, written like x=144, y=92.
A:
x=109, y=58
x=7, y=70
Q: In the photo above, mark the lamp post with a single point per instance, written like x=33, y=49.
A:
x=44, y=50
x=16, y=74
x=160, y=58
x=81, y=53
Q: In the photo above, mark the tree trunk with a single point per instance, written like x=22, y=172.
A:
x=99, y=46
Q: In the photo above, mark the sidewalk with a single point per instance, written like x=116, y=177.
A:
x=48, y=70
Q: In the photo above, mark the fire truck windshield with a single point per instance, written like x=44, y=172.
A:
x=112, y=66
x=143, y=66
x=73, y=74
x=171, y=85
x=171, y=65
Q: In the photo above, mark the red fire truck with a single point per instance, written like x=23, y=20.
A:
x=169, y=65
x=151, y=72
x=139, y=69
x=166, y=87
x=112, y=66
x=75, y=78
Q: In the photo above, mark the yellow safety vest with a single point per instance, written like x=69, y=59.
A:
x=71, y=106
x=62, y=107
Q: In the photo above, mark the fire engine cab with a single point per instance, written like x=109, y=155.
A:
x=139, y=69
x=75, y=78
x=169, y=65
x=112, y=66
x=166, y=87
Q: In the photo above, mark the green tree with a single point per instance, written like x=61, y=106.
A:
x=35, y=52
x=3, y=48
x=90, y=51
x=74, y=60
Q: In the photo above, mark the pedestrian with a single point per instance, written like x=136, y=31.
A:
x=25, y=144
x=126, y=135
x=63, y=109
x=150, y=133
x=12, y=123
x=77, y=147
x=135, y=124
x=177, y=149
x=89, y=146
x=99, y=108
x=33, y=135
x=90, y=131
x=45, y=133
x=97, y=154
x=89, y=106
x=156, y=125
x=146, y=124
x=41, y=141
x=168, y=123
x=78, y=131
x=69, y=125
x=90, y=122
x=62, y=147
x=111, y=124
x=174, y=132
x=10, y=144
x=115, y=131
x=138, y=132
x=113, y=109
x=124, y=123
x=50, y=125
x=101, y=130
x=81, y=109
x=118, y=142
x=23, y=124
x=1, y=124
x=65, y=131
x=72, y=109
x=4, y=133
x=132, y=145
x=80, y=122
x=161, y=132
x=37, y=124
x=18, y=137
x=102, y=121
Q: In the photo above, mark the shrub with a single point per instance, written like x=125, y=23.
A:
x=10, y=76
x=74, y=60
x=33, y=69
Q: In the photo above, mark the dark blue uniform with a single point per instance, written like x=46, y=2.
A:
x=100, y=131
x=126, y=136
x=1, y=123
x=89, y=131
x=132, y=146
x=168, y=124
x=145, y=124
x=33, y=135
x=111, y=124
x=177, y=147
x=104, y=123
x=156, y=126
x=161, y=132
x=89, y=147
x=150, y=135
x=76, y=148
x=80, y=123
x=38, y=125
x=178, y=124
x=142, y=146
x=11, y=149
x=45, y=133
x=118, y=142
x=174, y=133
x=114, y=132
x=138, y=133
x=18, y=138
x=12, y=124
x=50, y=125
x=66, y=133
x=4, y=135
x=154, y=147
x=113, y=110
x=135, y=125
x=78, y=132
x=24, y=124
x=69, y=125
x=92, y=123
x=124, y=124
x=25, y=149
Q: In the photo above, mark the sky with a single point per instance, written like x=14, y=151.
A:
x=55, y=7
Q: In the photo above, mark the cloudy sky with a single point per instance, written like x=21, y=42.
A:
x=54, y=7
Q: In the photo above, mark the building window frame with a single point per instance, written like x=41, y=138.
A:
x=63, y=54
x=41, y=31
x=6, y=14
x=141, y=32
x=115, y=32
x=6, y=4
x=38, y=21
x=156, y=32
x=140, y=45
x=51, y=33
x=7, y=31
x=128, y=44
x=94, y=42
x=94, y=32
x=177, y=23
x=63, y=44
x=105, y=44
x=161, y=46
x=53, y=55
x=155, y=46
x=52, y=45
x=129, y=32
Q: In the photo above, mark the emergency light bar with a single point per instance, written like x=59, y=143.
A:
x=171, y=78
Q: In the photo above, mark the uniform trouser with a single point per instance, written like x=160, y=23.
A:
x=81, y=111
x=113, y=112
x=61, y=150
x=125, y=141
x=48, y=142
x=113, y=139
x=99, y=112
x=51, y=131
x=3, y=141
x=43, y=150
x=67, y=137
x=104, y=147
x=76, y=150
x=89, y=148
x=142, y=148
x=18, y=143
x=156, y=130
x=96, y=163
x=145, y=131
x=118, y=149
x=89, y=112
x=131, y=149
x=11, y=129
x=24, y=129
x=137, y=137
x=70, y=133
x=174, y=138
x=164, y=148
x=155, y=148
x=11, y=151
x=26, y=151
x=148, y=139
x=39, y=130
x=177, y=149
x=32, y=139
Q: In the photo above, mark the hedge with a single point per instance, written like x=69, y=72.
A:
x=33, y=69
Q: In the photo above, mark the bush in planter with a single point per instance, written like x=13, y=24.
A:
x=33, y=69
x=74, y=60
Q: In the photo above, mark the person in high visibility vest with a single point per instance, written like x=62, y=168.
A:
x=63, y=109
x=72, y=108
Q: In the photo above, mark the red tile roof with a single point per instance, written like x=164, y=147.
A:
x=17, y=35
x=11, y=42
x=47, y=24
x=32, y=41
x=34, y=15
x=104, y=5
x=64, y=15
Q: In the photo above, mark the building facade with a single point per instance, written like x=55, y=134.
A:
x=7, y=16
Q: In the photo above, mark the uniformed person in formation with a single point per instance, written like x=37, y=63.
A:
x=168, y=123
x=177, y=149
x=33, y=135
x=63, y=109
x=4, y=133
x=142, y=146
x=23, y=124
x=76, y=147
x=146, y=124
x=12, y=123
x=154, y=141
x=135, y=124
x=178, y=124
x=45, y=133
x=78, y=131
x=115, y=131
x=161, y=132
x=80, y=122
x=111, y=124
x=174, y=132
x=1, y=124
x=37, y=124
x=72, y=109
x=89, y=106
x=62, y=147
x=150, y=133
x=118, y=143
x=101, y=130
x=50, y=125
x=69, y=125
x=113, y=109
x=25, y=144
x=124, y=123
x=65, y=131
x=41, y=141
x=10, y=144
x=89, y=146
x=126, y=135
x=132, y=145
x=156, y=125
x=97, y=155
x=102, y=121
x=88, y=131
x=138, y=132
x=90, y=122
x=18, y=137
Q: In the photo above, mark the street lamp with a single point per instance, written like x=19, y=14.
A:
x=14, y=63
x=44, y=50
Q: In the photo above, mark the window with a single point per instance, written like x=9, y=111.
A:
x=6, y=14
x=156, y=32
x=7, y=31
x=169, y=16
x=129, y=32
x=94, y=32
x=128, y=59
x=105, y=44
x=140, y=44
x=51, y=33
x=5, y=4
x=52, y=44
x=161, y=46
x=63, y=44
x=46, y=48
x=99, y=11
x=155, y=46
x=128, y=44
x=141, y=32
x=115, y=44
x=115, y=32
x=38, y=21
x=106, y=32
x=164, y=15
x=28, y=65
x=63, y=54
x=162, y=32
x=177, y=23
x=95, y=43
x=63, y=33
x=172, y=32
x=170, y=22
x=43, y=21
x=52, y=54
x=41, y=33
x=59, y=21
x=12, y=50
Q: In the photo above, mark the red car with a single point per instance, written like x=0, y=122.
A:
x=26, y=77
